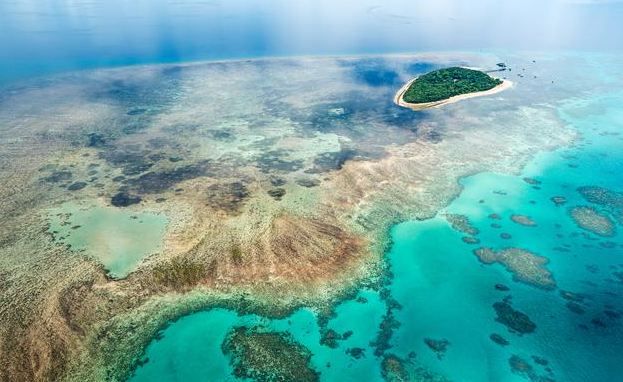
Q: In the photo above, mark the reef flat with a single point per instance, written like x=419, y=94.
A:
x=261, y=203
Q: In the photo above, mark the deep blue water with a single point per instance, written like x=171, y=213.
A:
x=44, y=36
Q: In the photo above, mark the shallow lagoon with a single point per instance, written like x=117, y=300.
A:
x=117, y=238
x=445, y=294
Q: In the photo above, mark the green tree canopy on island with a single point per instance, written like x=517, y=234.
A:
x=445, y=83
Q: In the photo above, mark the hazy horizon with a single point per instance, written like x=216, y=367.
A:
x=50, y=36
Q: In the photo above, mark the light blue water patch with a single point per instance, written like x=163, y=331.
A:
x=189, y=350
x=117, y=238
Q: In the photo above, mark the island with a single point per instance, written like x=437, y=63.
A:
x=447, y=85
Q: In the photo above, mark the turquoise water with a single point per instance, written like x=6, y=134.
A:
x=445, y=293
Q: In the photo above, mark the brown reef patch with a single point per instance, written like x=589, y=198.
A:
x=523, y=220
x=461, y=223
x=514, y=320
x=609, y=199
x=588, y=218
x=268, y=356
x=438, y=346
x=526, y=266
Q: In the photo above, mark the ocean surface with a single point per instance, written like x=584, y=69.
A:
x=39, y=37
x=439, y=300
x=445, y=293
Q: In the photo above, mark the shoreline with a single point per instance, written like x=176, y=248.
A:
x=398, y=97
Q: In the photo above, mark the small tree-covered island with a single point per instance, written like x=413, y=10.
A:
x=447, y=85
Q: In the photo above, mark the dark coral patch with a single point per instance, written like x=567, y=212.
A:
x=157, y=182
x=131, y=162
x=76, y=186
x=96, y=140
x=277, y=182
x=514, y=320
x=332, y=161
x=386, y=329
x=307, y=182
x=276, y=161
x=277, y=193
x=227, y=196
x=498, y=339
x=502, y=288
x=356, y=352
x=268, y=356
x=523, y=368
x=58, y=176
x=531, y=181
x=330, y=338
x=438, y=346
x=123, y=199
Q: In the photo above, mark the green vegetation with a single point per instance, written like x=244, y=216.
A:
x=445, y=83
x=268, y=356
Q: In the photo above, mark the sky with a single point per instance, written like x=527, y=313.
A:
x=41, y=36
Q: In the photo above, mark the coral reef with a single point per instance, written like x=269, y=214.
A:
x=590, y=219
x=268, y=356
x=279, y=180
x=461, y=223
x=523, y=220
x=498, y=339
x=514, y=320
x=437, y=346
x=526, y=266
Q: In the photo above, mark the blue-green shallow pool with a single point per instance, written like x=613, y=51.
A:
x=446, y=293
